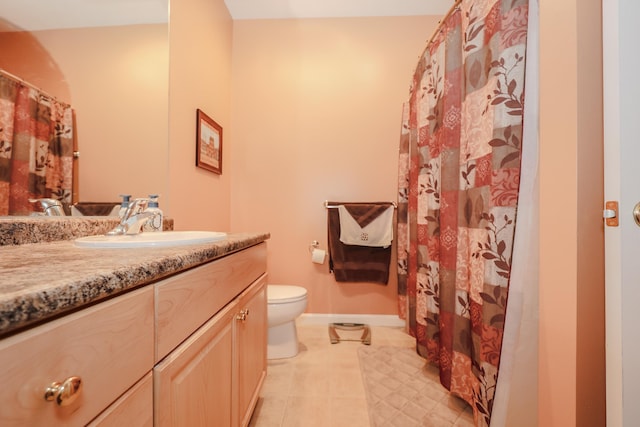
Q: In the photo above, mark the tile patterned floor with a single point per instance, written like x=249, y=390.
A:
x=322, y=385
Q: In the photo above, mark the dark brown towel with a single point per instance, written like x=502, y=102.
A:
x=364, y=213
x=350, y=263
x=95, y=208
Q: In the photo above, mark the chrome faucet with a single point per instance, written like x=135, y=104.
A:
x=50, y=207
x=133, y=218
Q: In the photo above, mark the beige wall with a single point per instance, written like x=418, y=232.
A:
x=571, y=328
x=200, y=77
x=316, y=116
x=24, y=56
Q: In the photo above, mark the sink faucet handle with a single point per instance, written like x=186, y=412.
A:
x=133, y=218
x=135, y=207
x=134, y=224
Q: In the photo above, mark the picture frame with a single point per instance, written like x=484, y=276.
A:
x=208, y=143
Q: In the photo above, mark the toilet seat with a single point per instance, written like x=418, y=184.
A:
x=282, y=294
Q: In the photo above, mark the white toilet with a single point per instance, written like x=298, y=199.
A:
x=284, y=304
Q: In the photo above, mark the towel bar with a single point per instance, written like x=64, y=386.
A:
x=328, y=206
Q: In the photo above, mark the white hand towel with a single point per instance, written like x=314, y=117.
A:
x=378, y=233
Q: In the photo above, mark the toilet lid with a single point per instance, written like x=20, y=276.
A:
x=285, y=293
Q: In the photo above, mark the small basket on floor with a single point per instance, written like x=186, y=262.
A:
x=335, y=338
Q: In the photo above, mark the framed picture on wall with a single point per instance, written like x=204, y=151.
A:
x=208, y=143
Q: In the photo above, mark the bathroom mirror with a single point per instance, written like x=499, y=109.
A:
x=110, y=61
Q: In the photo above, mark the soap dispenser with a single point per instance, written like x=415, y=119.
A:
x=156, y=221
x=124, y=205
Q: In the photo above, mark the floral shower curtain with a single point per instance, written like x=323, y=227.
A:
x=36, y=147
x=459, y=175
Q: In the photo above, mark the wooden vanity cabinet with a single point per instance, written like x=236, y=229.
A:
x=214, y=374
x=189, y=350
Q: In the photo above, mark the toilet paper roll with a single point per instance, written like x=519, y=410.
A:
x=317, y=256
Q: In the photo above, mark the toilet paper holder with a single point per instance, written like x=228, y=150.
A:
x=314, y=245
x=318, y=256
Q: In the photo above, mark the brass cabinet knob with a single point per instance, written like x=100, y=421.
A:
x=243, y=314
x=64, y=393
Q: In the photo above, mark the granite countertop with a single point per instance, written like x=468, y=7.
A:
x=40, y=229
x=40, y=281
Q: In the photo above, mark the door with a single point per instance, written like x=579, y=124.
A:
x=622, y=182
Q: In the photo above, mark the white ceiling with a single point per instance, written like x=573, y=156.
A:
x=47, y=14
x=269, y=9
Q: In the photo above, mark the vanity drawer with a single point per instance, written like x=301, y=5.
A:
x=134, y=408
x=109, y=346
x=187, y=301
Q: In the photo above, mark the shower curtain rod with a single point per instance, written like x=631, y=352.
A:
x=32, y=86
x=328, y=206
x=455, y=5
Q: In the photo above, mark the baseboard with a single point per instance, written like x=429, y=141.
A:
x=390, y=320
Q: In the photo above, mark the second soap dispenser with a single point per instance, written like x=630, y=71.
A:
x=156, y=221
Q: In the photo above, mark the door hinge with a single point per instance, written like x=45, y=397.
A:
x=610, y=214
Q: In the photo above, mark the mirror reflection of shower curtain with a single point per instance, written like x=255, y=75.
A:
x=459, y=176
x=36, y=147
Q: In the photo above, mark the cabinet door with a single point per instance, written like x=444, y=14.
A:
x=192, y=385
x=251, y=347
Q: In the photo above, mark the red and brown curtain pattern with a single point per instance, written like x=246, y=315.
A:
x=36, y=147
x=458, y=189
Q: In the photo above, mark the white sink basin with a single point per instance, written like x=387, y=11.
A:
x=151, y=239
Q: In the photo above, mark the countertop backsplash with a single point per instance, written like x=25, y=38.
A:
x=20, y=230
